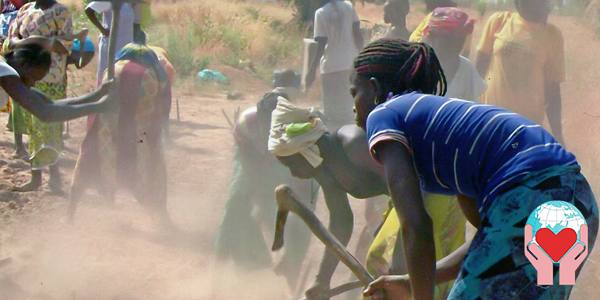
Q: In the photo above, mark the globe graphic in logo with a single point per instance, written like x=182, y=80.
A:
x=555, y=216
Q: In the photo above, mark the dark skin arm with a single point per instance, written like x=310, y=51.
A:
x=416, y=236
x=59, y=111
x=339, y=176
x=469, y=209
x=91, y=14
x=358, y=38
x=398, y=286
x=314, y=63
x=446, y=269
x=554, y=109
x=341, y=222
x=482, y=62
x=52, y=44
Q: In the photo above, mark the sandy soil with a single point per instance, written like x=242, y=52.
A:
x=117, y=252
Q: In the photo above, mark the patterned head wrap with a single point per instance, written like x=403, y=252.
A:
x=144, y=55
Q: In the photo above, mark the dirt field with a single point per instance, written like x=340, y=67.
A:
x=117, y=252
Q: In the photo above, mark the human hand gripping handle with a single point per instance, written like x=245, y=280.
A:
x=109, y=101
x=395, y=287
x=538, y=258
x=574, y=258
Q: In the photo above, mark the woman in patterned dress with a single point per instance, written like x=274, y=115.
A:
x=50, y=19
x=124, y=148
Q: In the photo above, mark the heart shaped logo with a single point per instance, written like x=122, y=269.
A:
x=556, y=245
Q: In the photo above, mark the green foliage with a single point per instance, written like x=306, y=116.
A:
x=253, y=12
x=276, y=40
x=181, y=48
x=235, y=42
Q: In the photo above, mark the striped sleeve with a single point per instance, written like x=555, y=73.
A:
x=383, y=125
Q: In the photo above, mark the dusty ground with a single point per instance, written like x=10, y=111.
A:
x=117, y=252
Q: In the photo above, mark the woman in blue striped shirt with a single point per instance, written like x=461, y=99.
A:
x=499, y=164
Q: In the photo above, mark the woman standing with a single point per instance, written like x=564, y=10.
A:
x=522, y=57
x=447, y=32
x=124, y=36
x=337, y=33
x=394, y=13
x=430, y=5
x=500, y=165
x=50, y=19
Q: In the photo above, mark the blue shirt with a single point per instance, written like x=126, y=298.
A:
x=462, y=147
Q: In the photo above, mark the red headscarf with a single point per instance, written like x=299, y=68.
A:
x=18, y=3
x=449, y=21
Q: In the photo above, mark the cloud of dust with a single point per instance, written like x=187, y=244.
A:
x=121, y=253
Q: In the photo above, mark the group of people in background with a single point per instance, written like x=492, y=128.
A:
x=436, y=133
x=407, y=117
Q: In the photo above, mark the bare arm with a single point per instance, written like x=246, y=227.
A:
x=398, y=286
x=416, y=235
x=554, y=109
x=469, y=209
x=314, y=63
x=482, y=62
x=48, y=111
x=358, y=38
x=52, y=44
x=341, y=222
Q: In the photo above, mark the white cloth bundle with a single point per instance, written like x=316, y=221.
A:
x=281, y=144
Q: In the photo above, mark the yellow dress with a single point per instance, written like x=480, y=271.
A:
x=524, y=56
x=448, y=234
x=419, y=32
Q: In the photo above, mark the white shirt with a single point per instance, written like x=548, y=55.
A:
x=5, y=70
x=334, y=21
x=126, y=19
x=467, y=83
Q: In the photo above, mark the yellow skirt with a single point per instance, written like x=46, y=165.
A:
x=448, y=234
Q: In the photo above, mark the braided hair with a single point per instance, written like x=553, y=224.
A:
x=402, y=67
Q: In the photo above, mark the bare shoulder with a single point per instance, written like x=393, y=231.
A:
x=247, y=117
x=354, y=142
x=352, y=138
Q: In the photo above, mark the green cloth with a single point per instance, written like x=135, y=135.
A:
x=296, y=129
x=19, y=120
x=251, y=208
x=45, y=139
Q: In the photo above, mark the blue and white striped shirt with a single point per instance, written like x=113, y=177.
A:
x=462, y=147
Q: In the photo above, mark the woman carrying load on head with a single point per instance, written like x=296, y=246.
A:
x=251, y=205
x=501, y=166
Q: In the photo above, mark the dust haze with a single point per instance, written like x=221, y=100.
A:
x=117, y=251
